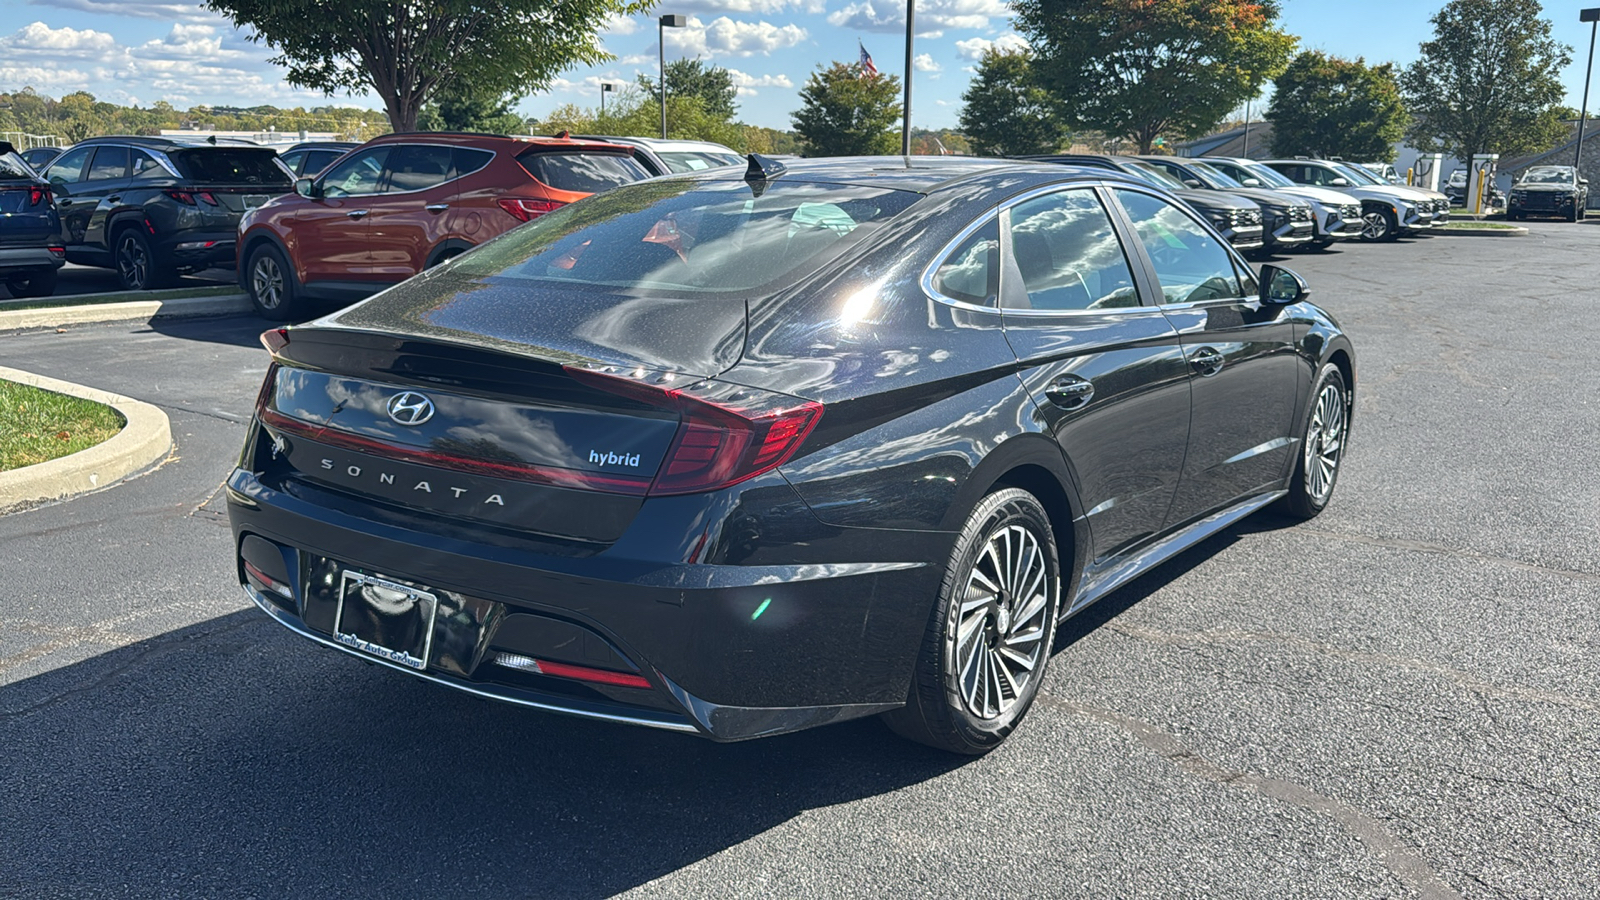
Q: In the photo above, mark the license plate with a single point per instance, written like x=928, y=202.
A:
x=387, y=619
x=251, y=201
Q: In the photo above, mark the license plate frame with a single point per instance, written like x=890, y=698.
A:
x=382, y=610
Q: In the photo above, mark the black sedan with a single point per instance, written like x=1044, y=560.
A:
x=1549, y=191
x=741, y=453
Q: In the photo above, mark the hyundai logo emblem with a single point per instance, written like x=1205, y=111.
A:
x=410, y=408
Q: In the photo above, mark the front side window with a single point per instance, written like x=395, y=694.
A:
x=358, y=176
x=1068, y=253
x=68, y=169
x=971, y=273
x=1190, y=263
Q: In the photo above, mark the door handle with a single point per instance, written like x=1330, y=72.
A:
x=1070, y=392
x=1207, y=361
x=437, y=207
x=357, y=213
x=63, y=202
x=117, y=199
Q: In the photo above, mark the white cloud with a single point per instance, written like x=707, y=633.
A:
x=164, y=10
x=747, y=84
x=924, y=63
x=42, y=41
x=618, y=25
x=713, y=7
x=933, y=18
x=723, y=36
x=973, y=48
x=44, y=78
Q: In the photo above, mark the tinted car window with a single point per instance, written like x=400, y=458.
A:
x=1190, y=263
x=467, y=160
x=416, y=167
x=294, y=161
x=12, y=168
x=588, y=173
x=231, y=165
x=109, y=162
x=681, y=237
x=317, y=160
x=1068, y=253
x=358, y=175
x=687, y=161
x=145, y=166
x=971, y=272
x=69, y=168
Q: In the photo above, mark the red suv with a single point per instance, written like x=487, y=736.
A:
x=401, y=203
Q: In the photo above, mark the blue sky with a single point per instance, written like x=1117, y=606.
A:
x=141, y=51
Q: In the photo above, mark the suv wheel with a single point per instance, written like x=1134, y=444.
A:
x=988, y=640
x=271, y=286
x=39, y=284
x=137, y=268
x=1379, y=225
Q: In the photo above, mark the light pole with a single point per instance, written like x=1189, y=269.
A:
x=663, y=24
x=911, y=37
x=1592, y=16
x=606, y=87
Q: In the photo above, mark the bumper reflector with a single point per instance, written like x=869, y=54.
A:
x=267, y=582
x=565, y=670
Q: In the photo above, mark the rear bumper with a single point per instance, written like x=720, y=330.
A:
x=200, y=250
x=729, y=652
x=28, y=260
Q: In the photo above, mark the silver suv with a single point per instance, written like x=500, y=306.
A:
x=1387, y=210
x=1337, y=214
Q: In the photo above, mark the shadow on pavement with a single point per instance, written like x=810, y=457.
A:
x=230, y=758
x=240, y=331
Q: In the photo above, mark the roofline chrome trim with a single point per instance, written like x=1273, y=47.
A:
x=282, y=618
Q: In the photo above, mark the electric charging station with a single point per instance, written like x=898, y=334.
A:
x=1480, y=181
x=1425, y=172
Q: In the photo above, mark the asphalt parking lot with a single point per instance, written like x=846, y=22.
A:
x=1398, y=699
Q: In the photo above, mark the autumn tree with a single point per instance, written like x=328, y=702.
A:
x=1004, y=110
x=1488, y=82
x=407, y=52
x=846, y=112
x=1144, y=68
x=1324, y=106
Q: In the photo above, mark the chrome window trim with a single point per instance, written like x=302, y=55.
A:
x=994, y=214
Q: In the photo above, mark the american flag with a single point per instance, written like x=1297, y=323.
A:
x=868, y=70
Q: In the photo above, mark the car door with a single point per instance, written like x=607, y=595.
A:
x=65, y=173
x=409, y=215
x=1241, y=355
x=1105, y=369
x=98, y=194
x=330, y=230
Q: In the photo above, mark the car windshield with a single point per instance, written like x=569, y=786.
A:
x=675, y=237
x=1547, y=175
x=1267, y=174
x=1357, y=174
x=1217, y=177
x=1155, y=175
x=1458, y=177
x=694, y=161
x=232, y=165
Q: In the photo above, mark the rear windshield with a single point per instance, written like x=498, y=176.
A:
x=694, y=161
x=231, y=165
x=586, y=173
x=670, y=238
x=12, y=168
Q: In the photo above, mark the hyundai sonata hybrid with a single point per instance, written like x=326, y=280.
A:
x=742, y=452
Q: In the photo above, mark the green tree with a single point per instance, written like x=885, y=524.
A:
x=1326, y=106
x=844, y=113
x=457, y=107
x=1144, y=68
x=1005, y=112
x=406, y=52
x=693, y=78
x=636, y=113
x=1488, y=81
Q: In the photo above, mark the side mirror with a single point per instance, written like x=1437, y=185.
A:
x=307, y=187
x=1281, y=287
x=1583, y=181
x=1251, y=182
x=1192, y=183
x=1339, y=182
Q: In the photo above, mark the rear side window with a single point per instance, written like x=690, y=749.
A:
x=417, y=167
x=587, y=173
x=231, y=165
x=682, y=237
x=971, y=273
x=145, y=166
x=468, y=160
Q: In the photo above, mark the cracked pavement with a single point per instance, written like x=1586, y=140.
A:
x=1398, y=699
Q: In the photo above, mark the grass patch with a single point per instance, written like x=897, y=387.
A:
x=38, y=425
x=1480, y=226
x=221, y=290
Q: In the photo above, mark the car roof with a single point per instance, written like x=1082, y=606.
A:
x=322, y=145
x=169, y=142
x=659, y=144
x=922, y=174
x=485, y=141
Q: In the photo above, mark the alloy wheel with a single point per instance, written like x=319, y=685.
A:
x=133, y=262
x=1375, y=226
x=999, y=638
x=1325, y=442
x=266, y=281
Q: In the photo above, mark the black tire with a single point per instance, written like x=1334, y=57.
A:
x=39, y=284
x=270, y=284
x=1511, y=216
x=1576, y=214
x=136, y=264
x=445, y=257
x=1322, y=446
x=1380, y=225
x=950, y=705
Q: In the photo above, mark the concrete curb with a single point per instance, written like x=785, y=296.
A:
x=1511, y=231
x=145, y=439
x=133, y=310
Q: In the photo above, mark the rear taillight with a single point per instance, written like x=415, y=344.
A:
x=528, y=210
x=726, y=433
x=189, y=198
x=275, y=340
x=39, y=195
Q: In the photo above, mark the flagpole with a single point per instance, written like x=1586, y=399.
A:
x=911, y=32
